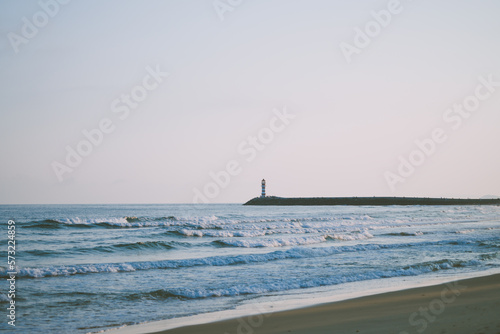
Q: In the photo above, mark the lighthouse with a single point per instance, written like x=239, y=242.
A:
x=263, y=194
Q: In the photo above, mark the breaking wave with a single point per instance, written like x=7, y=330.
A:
x=223, y=260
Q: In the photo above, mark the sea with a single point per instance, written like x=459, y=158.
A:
x=91, y=268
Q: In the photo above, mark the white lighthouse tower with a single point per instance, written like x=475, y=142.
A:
x=263, y=194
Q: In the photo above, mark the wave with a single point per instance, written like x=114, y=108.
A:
x=256, y=231
x=242, y=227
x=489, y=256
x=228, y=260
x=44, y=252
x=145, y=245
x=222, y=233
x=293, y=284
x=465, y=231
x=122, y=222
x=140, y=245
x=351, y=237
x=276, y=242
x=223, y=260
x=133, y=246
x=441, y=265
x=298, y=227
x=44, y=224
x=297, y=241
x=156, y=295
x=138, y=219
x=406, y=234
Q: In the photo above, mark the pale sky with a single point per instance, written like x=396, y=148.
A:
x=65, y=68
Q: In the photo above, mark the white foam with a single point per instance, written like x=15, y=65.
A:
x=351, y=237
x=276, y=242
x=222, y=233
x=465, y=231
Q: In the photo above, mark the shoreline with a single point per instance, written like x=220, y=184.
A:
x=267, y=319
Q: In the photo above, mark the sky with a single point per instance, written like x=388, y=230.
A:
x=188, y=101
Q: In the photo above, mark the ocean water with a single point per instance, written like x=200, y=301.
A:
x=87, y=268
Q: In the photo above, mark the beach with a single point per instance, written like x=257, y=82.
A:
x=468, y=306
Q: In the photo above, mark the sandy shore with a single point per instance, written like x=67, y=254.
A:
x=470, y=306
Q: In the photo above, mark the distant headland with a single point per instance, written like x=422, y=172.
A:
x=368, y=201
